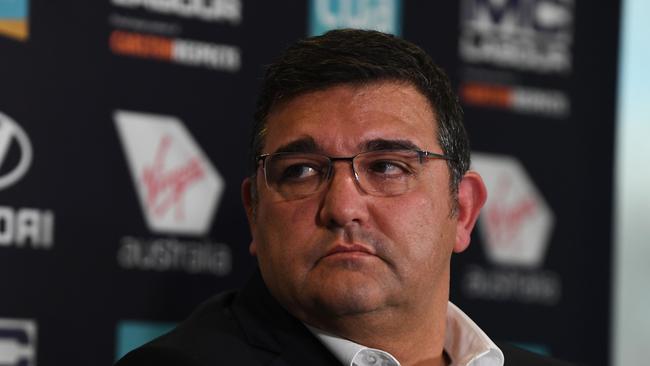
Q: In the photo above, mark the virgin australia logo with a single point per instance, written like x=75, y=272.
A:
x=516, y=223
x=178, y=187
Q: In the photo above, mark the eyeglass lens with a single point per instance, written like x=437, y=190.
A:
x=384, y=173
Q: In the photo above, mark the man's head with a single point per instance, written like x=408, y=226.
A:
x=359, y=57
x=338, y=237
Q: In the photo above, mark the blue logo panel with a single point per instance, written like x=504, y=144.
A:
x=14, y=22
x=382, y=15
x=13, y=9
x=133, y=334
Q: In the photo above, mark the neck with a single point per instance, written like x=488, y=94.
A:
x=413, y=340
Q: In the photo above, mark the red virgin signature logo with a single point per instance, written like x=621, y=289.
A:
x=166, y=188
x=504, y=219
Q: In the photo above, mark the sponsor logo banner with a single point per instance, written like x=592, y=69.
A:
x=177, y=50
x=209, y=11
x=132, y=334
x=179, y=191
x=178, y=187
x=23, y=226
x=516, y=223
x=519, y=285
x=519, y=99
x=137, y=35
x=13, y=137
x=170, y=254
x=504, y=47
x=531, y=35
x=382, y=15
x=515, y=227
x=14, y=22
x=17, y=342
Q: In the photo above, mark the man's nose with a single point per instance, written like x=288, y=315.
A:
x=344, y=201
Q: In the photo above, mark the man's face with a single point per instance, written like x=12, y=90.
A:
x=342, y=251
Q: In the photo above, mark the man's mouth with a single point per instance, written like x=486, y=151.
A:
x=350, y=249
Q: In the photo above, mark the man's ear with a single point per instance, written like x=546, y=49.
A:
x=472, y=194
x=248, y=193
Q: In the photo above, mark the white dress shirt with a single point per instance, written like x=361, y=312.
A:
x=465, y=344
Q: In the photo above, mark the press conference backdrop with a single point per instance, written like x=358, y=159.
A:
x=123, y=134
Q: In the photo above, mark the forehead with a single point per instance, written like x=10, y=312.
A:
x=342, y=118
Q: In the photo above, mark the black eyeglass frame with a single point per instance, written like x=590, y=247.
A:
x=422, y=156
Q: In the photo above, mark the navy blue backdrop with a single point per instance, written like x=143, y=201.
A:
x=123, y=141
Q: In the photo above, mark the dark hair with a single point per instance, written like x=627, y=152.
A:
x=350, y=56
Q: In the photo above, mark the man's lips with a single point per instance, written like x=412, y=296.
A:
x=351, y=249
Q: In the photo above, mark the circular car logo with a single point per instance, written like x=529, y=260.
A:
x=11, y=132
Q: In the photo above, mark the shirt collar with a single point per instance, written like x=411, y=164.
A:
x=351, y=353
x=465, y=343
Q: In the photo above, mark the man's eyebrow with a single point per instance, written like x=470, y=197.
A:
x=305, y=144
x=383, y=144
x=308, y=145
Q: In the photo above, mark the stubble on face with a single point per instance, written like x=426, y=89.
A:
x=408, y=238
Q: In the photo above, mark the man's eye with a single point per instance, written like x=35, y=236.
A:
x=300, y=171
x=389, y=168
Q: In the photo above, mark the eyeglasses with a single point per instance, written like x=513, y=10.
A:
x=379, y=173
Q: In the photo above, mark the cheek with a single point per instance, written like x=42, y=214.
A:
x=419, y=227
x=284, y=228
x=411, y=214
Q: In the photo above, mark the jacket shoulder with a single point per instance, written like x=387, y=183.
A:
x=210, y=336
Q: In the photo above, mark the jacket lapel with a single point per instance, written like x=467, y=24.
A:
x=267, y=325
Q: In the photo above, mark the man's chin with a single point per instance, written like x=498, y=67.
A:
x=349, y=297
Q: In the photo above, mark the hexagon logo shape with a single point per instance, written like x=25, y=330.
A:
x=177, y=185
x=516, y=222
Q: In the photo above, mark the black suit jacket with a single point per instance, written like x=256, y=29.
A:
x=250, y=327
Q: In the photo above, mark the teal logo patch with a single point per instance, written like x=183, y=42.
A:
x=133, y=334
x=381, y=15
x=13, y=9
x=14, y=22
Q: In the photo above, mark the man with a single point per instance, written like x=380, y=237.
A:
x=359, y=195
